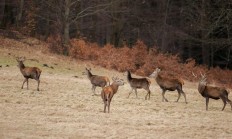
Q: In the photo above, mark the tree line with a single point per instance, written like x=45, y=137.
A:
x=198, y=29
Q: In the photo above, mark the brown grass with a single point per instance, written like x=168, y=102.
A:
x=65, y=107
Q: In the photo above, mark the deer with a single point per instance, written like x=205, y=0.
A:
x=108, y=92
x=170, y=84
x=213, y=92
x=100, y=81
x=28, y=72
x=138, y=83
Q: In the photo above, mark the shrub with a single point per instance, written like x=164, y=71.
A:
x=142, y=61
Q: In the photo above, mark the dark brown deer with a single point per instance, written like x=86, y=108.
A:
x=170, y=84
x=100, y=81
x=212, y=92
x=138, y=83
x=28, y=72
x=109, y=91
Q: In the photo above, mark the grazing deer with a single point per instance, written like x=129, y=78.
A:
x=138, y=83
x=100, y=81
x=109, y=91
x=212, y=92
x=170, y=84
x=28, y=72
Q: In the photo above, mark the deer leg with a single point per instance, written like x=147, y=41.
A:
x=93, y=89
x=104, y=101
x=148, y=93
x=24, y=82
x=109, y=105
x=130, y=92
x=136, y=93
x=163, y=93
x=183, y=93
x=178, y=95
x=229, y=101
x=27, y=84
x=105, y=106
x=207, y=102
x=224, y=101
x=184, y=97
x=38, y=84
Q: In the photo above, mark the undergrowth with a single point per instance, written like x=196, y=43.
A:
x=142, y=60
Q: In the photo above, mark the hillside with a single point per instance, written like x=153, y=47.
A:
x=65, y=107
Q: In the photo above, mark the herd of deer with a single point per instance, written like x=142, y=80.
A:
x=108, y=90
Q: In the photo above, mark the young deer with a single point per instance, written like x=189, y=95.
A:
x=109, y=91
x=28, y=72
x=100, y=81
x=138, y=83
x=170, y=84
x=212, y=92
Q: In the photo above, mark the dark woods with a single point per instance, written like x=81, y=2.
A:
x=196, y=29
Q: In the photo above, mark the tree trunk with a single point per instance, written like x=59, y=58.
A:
x=164, y=45
x=66, y=34
x=2, y=7
x=66, y=22
x=20, y=12
x=205, y=49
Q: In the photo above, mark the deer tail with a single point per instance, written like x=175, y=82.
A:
x=38, y=72
x=149, y=82
x=181, y=81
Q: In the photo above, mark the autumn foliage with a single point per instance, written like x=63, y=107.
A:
x=142, y=60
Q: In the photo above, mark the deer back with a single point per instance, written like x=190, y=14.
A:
x=31, y=72
x=169, y=83
x=139, y=82
x=98, y=80
x=214, y=92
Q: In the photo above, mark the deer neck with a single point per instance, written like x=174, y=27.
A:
x=115, y=87
x=201, y=87
x=129, y=76
x=158, y=77
x=21, y=65
x=89, y=74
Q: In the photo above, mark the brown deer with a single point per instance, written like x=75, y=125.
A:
x=170, y=84
x=100, y=81
x=138, y=83
x=212, y=92
x=109, y=91
x=28, y=72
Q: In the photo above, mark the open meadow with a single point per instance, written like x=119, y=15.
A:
x=65, y=108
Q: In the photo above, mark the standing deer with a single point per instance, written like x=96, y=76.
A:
x=100, y=81
x=138, y=83
x=212, y=92
x=170, y=84
x=109, y=91
x=28, y=72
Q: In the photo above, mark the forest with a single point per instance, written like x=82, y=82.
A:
x=199, y=29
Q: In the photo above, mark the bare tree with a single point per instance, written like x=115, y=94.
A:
x=69, y=12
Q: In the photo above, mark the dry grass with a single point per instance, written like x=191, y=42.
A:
x=65, y=107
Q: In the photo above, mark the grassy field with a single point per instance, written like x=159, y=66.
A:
x=65, y=107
